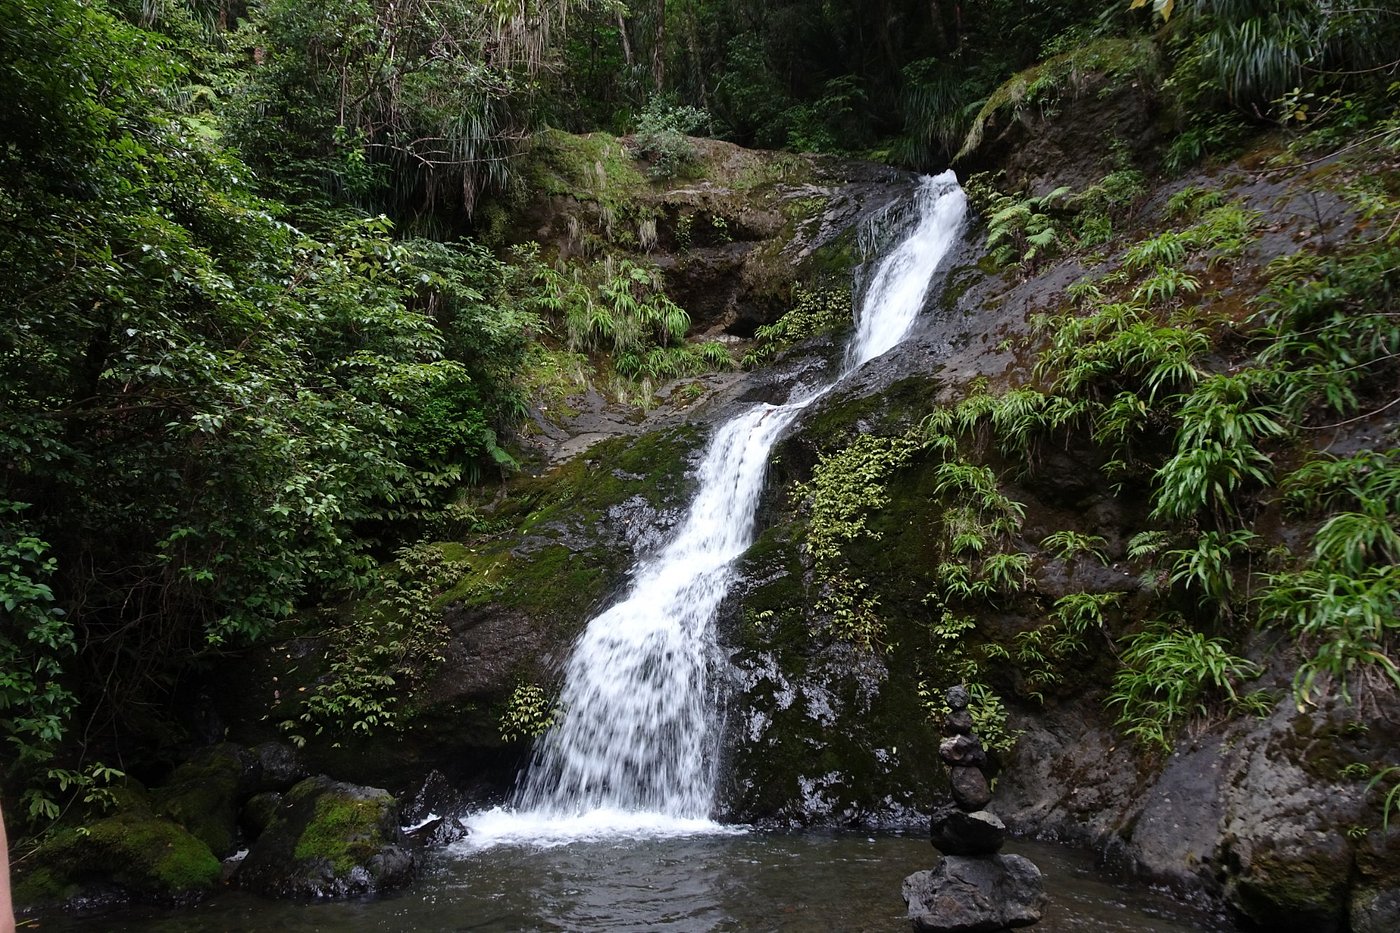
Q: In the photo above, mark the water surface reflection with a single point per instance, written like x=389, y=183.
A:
x=843, y=883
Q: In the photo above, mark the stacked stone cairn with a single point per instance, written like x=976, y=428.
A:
x=972, y=889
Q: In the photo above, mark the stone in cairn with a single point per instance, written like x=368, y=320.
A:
x=972, y=889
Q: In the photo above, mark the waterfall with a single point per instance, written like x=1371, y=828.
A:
x=636, y=748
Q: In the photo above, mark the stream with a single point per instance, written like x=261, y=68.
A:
x=757, y=881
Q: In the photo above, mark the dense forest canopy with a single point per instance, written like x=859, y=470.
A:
x=258, y=335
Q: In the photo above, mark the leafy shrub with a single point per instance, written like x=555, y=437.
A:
x=377, y=660
x=530, y=713
x=661, y=137
x=815, y=311
x=35, y=643
x=1170, y=676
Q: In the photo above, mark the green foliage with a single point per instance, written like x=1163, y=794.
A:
x=1327, y=327
x=1069, y=544
x=1043, y=651
x=1344, y=602
x=1366, y=480
x=1390, y=804
x=989, y=714
x=989, y=719
x=815, y=312
x=661, y=138
x=1206, y=567
x=408, y=107
x=1118, y=348
x=529, y=714
x=1023, y=230
x=35, y=643
x=846, y=486
x=1221, y=427
x=1190, y=202
x=1170, y=676
x=378, y=659
x=829, y=123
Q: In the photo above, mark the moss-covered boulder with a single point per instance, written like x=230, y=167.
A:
x=206, y=793
x=329, y=839
x=203, y=795
x=132, y=856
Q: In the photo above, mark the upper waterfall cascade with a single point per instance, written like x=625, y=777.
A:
x=635, y=750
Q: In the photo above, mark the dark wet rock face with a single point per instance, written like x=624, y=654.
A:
x=975, y=895
x=1252, y=817
x=433, y=817
x=329, y=839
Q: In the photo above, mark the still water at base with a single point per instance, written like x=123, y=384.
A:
x=757, y=881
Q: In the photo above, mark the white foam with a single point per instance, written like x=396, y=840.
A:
x=507, y=826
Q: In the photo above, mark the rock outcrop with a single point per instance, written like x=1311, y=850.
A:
x=329, y=839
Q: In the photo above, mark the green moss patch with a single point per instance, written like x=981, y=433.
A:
x=151, y=858
x=344, y=831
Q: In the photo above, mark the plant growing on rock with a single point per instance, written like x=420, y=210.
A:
x=1171, y=675
x=815, y=311
x=1023, y=230
x=530, y=713
x=1069, y=544
x=377, y=660
x=846, y=486
x=661, y=137
x=1044, y=650
x=1343, y=604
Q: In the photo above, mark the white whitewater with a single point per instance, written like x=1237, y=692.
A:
x=635, y=751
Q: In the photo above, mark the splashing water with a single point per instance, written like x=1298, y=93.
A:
x=636, y=750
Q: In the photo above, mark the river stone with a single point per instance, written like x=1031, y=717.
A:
x=958, y=722
x=975, y=895
x=957, y=832
x=958, y=698
x=962, y=750
x=970, y=789
x=329, y=839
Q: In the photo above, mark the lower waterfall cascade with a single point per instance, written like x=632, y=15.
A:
x=636, y=749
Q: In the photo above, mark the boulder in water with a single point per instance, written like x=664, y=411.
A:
x=132, y=856
x=329, y=839
x=433, y=816
x=975, y=895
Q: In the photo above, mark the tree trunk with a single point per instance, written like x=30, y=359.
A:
x=658, y=47
x=626, y=42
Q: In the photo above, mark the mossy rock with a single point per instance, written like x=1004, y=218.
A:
x=132, y=856
x=1294, y=887
x=329, y=839
x=203, y=795
x=575, y=534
